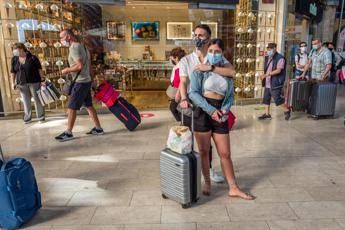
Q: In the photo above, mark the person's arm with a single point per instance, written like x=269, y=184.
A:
x=183, y=71
x=227, y=70
x=195, y=93
x=280, y=68
x=229, y=98
x=328, y=62
x=13, y=74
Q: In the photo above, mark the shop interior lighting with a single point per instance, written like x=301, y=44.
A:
x=8, y=5
x=54, y=7
x=63, y=98
x=239, y=45
x=43, y=45
x=258, y=60
x=238, y=60
x=238, y=75
x=249, y=46
x=28, y=45
x=240, y=30
x=251, y=15
x=248, y=75
x=45, y=63
x=250, y=30
x=247, y=89
x=59, y=63
x=256, y=88
x=22, y=6
x=61, y=81
x=57, y=44
x=257, y=74
x=10, y=25
x=39, y=7
x=238, y=89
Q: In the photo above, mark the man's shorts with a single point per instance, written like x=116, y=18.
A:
x=80, y=96
x=276, y=94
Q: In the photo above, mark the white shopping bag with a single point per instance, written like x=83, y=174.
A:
x=180, y=139
x=45, y=96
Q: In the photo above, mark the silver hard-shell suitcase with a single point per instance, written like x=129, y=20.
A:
x=180, y=175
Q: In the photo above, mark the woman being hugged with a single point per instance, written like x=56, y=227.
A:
x=213, y=95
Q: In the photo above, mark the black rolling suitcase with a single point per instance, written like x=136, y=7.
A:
x=322, y=100
x=298, y=95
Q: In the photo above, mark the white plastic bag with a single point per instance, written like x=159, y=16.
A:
x=180, y=139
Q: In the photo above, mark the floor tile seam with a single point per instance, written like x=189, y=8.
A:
x=293, y=210
x=131, y=199
x=228, y=212
x=93, y=215
x=70, y=199
x=268, y=225
x=337, y=221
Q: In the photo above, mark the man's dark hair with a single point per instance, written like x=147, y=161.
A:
x=219, y=42
x=205, y=27
x=302, y=43
x=271, y=45
x=19, y=45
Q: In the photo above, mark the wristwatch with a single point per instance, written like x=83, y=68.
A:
x=213, y=67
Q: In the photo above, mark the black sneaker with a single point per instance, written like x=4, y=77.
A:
x=287, y=115
x=95, y=131
x=64, y=137
x=265, y=117
x=27, y=121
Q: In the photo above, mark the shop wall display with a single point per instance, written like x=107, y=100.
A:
x=116, y=30
x=179, y=30
x=145, y=31
x=214, y=28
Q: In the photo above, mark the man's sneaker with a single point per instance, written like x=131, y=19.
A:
x=41, y=120
x=27, y=121
x=95, y=131
x=216, y=177
x=287, y=115
x=64, y=137
x=265, y=117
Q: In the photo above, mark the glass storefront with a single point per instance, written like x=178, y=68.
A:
x=130, y=41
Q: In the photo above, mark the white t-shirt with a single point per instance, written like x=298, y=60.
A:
x=303, y=60
x=189, y=62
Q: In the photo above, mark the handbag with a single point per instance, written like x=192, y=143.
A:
x=68, y=85
x=171, y=92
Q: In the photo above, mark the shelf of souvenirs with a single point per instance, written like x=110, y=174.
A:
x=146, y=65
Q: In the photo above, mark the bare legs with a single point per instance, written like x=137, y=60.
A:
x=72, y=115
x=222, y=142
x=204, y=141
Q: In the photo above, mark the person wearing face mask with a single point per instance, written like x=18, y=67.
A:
x=301, y=60
x=273, y=81
x=320, y=61
x=198, y=61
x=27, y=76
x=213, y=95
x=175, y=56
x=79, y=67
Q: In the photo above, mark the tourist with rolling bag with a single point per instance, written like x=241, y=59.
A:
x=180, y=166
x=19, y=195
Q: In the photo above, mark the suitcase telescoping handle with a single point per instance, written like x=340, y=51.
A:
x=192, y=126
x=2, y=155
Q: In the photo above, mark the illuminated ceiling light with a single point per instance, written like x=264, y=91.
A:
x=28, y=45
x=45, y=63
x=43, y=45
x=59, y=63
x=57, y=44
x=54, y=7
x=22, y=6
x=10, y=25
x=8, y=5
x=237, y=90
x=40, y=7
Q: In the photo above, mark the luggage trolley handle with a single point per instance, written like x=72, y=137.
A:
x=192, y=126
x=2, y=155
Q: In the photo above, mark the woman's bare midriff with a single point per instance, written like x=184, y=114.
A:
x=213, y=95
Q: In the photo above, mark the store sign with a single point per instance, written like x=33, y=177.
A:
x=313, y=9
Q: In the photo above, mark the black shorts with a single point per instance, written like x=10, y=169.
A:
x=276, y=94
x=203, y=122
x=80, y=96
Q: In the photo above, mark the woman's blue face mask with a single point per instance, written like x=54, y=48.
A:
x=214, y=58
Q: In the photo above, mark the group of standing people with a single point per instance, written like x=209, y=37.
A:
x=206, y=87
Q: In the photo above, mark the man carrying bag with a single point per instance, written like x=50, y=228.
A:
x=79, y=90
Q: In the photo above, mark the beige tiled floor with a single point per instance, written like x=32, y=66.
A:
x=296, y=169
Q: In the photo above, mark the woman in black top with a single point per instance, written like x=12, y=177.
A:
x=27, y=76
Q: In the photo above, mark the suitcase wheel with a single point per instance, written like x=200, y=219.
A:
x=164, y=196
x=184, y=206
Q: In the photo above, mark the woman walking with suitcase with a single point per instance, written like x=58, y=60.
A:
x=213, y=95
